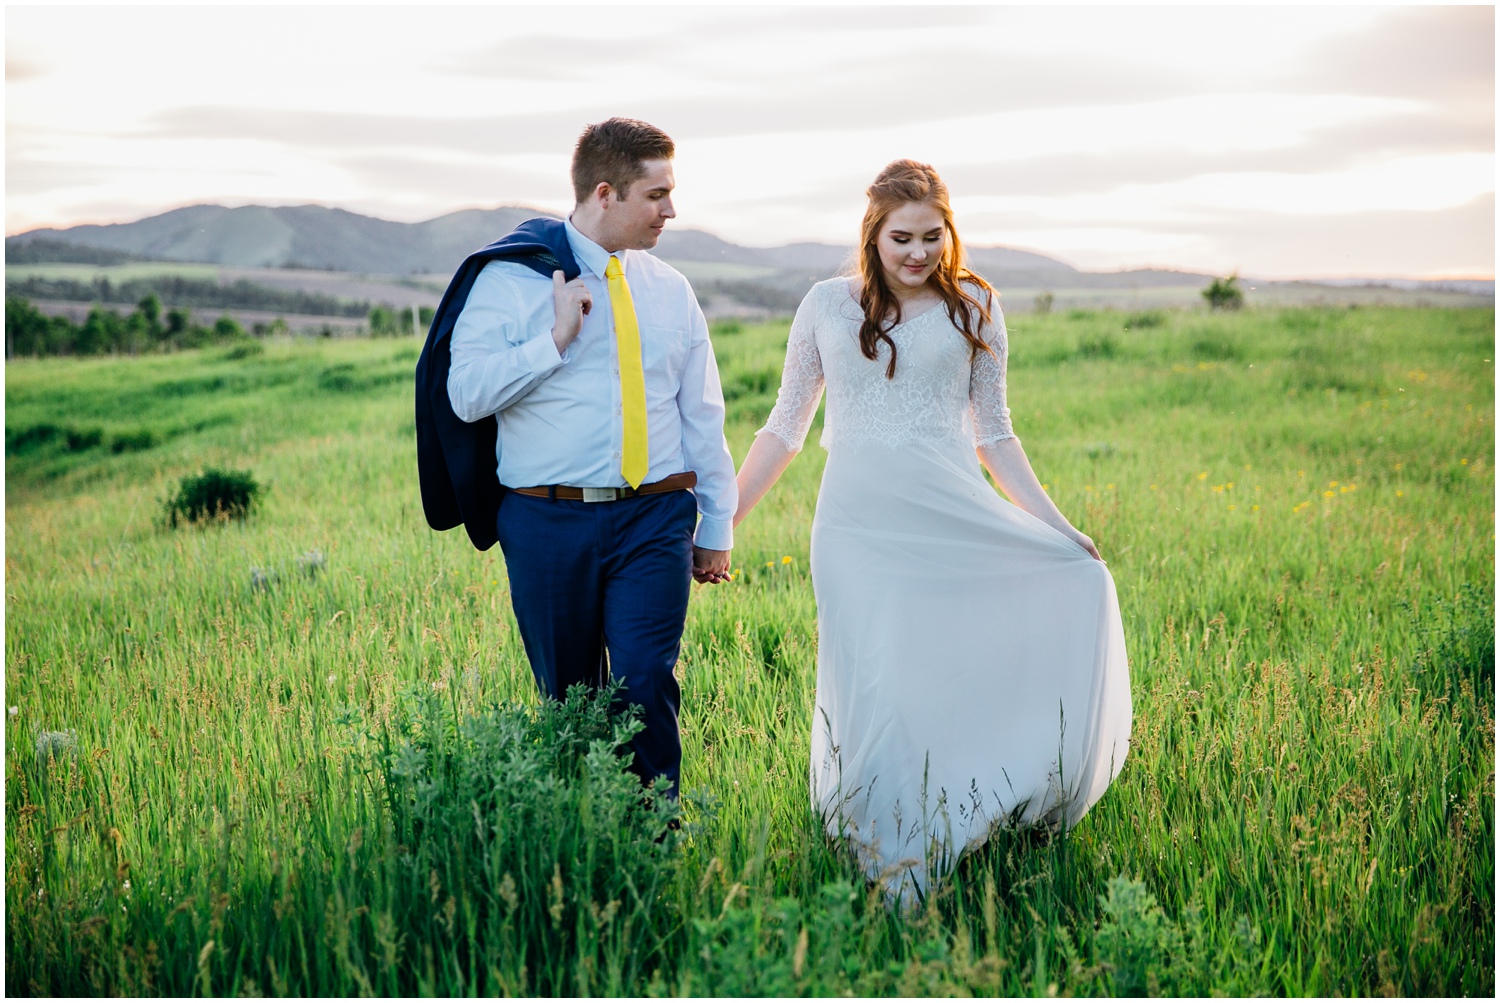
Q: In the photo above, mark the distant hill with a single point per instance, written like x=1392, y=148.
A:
x=317, y=237
x=304, y=236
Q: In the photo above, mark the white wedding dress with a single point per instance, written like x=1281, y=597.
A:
x=971, y=659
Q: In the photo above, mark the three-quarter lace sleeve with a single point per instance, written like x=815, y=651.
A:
x=801, y=380
x=987, y=385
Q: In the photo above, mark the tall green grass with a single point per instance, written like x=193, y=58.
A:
x=307, y=777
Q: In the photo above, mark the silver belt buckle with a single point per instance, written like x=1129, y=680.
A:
x=600, y=494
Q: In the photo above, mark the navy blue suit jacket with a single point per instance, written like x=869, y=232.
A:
x=456, y=458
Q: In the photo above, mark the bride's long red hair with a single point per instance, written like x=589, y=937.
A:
x=901, y=182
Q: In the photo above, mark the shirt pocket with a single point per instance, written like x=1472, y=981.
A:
x=663, y=351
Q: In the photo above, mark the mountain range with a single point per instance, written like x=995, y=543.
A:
x=355, y=258
x=319, y=237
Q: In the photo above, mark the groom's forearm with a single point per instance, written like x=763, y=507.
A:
x=700, y=407
x=496, y=359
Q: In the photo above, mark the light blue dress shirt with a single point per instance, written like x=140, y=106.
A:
x=560, y=415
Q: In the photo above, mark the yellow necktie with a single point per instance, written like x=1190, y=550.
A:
x=634, y=459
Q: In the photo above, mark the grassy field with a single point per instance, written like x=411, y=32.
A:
x=301, y=754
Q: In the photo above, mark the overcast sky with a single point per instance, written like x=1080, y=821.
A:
x=1281, y=141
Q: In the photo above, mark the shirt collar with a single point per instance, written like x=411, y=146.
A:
x=589, y=254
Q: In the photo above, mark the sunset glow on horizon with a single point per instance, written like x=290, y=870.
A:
x=1282, y=142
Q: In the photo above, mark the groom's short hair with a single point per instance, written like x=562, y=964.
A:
x=614, y=151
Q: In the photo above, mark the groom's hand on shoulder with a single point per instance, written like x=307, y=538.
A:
x=710, y=567
x=571, y=300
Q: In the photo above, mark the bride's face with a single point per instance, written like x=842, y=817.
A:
x=911, y=246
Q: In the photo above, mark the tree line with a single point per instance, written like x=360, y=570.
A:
x=148, y=328
x=152, y=328
x=187, y=292
x=40, y=250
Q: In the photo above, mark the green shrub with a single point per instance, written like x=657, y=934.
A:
x=247, y=349
x=1217, y=349
x=130, y=442
x=722, y=328
x=70, y=437
x=81, y=440
x=1458, y=637
x=31, y=438
x=226, y=328
x=1142, y=951
x=1097, y=347
x=213, y=494
x=1145, y=319
x=524, y=828
x=341, y=378
x=1224, y=294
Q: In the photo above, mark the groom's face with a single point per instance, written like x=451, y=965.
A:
x=636, y=221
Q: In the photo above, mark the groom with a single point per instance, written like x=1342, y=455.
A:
x=587, y=363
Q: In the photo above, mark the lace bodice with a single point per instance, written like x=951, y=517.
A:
x=938, y=394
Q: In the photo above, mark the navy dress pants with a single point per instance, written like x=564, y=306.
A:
x=600, y=591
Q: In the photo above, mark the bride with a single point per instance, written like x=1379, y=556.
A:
x=971, y=658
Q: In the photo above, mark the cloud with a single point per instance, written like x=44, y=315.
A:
x=552, y=57
x=523, y=133
x=20, y=70
x=32, y=175
x=402, y=178
x=1072, y=123
x=1335, y=148
x=1454, y=241
x=812, y=102
x=1433, y=53
x=1457, y=241
x=684, y=36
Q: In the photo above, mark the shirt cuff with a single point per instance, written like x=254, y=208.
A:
x=541, y=354
x=714, y=534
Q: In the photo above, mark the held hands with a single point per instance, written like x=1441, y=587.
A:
x=710, y=567
x=571, y=301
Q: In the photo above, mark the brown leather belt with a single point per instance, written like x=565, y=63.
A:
x=677, y=482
